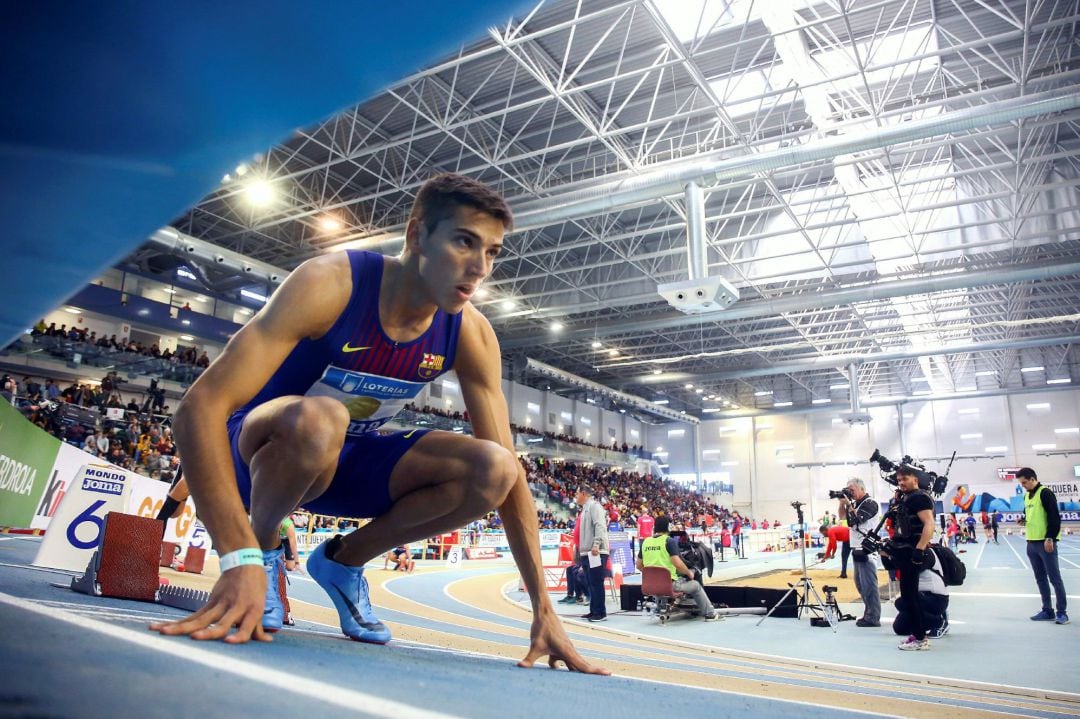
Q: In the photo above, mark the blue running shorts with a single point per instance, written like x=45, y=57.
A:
x=361, y=485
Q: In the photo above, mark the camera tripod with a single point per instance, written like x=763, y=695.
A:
x=829, y=611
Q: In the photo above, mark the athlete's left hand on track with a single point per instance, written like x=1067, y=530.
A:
x=548, y=638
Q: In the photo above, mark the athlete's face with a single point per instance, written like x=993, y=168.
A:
x=458, y=255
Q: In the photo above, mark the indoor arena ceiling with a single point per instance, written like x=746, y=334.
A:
x=945, y=262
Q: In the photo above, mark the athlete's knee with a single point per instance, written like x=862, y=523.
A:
x=315, y=428
x=496, y=470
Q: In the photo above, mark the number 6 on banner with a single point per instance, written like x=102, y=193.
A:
x=87, y=516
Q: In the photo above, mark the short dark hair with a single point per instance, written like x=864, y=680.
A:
x=585, y=489
x=440, y=196
x=661, y=525
x=1026, y=473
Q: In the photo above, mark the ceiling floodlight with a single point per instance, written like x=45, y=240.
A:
x=329, y=223
x=253, y=295
x=1032, y=369
x=597, y=345
x=260, y=193
x=556, y=326
x=613, y=352
x=507, y=305
x=763, y=393
x=1062, y=380
x=186, y=338
x=985, y=373
x=688, y=385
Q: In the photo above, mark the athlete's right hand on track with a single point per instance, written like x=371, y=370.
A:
x=237, y=600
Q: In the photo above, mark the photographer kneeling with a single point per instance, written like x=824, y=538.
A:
x=934, y=603
x=661, y=550
x=860, y=508
x=909, y=551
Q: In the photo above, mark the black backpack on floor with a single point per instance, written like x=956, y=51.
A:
x=953, y=572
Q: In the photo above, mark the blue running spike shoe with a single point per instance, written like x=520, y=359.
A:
x=273, y=610
x=349, y=591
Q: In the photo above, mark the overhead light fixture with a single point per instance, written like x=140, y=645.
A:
x=507, y=305
x=986, y=373
x=658, y=371
x=597, y=345
x=729, y=464
x=688, y=385
x=329, y=223
x=839, y=386
x=710, y=410
x=1067, y=430
x=1062, y=380
x=241, y=170
x=185, y=273
x=660, y=401
x=763, y=393
x=998, y=448
x=966, y=389
x=185, y=322
x=822, y=445
x=169, y=291
x=200, y=298
x=1043, y=447
x=699, y=390
x=919, y=379
x=260, y=193
x=253, y=295
x=968, y=410
x=781, y=404
x=245, y=311
x=1038, y=405
x=613, y=352
x=1032, y=369
x=481, y=293
x=187, y=338
x=556, y=326
x=971, y=435
x=73, y=310
x=821, y=400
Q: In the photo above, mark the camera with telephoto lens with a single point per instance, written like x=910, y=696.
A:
x=696, y=555
x=840, y=493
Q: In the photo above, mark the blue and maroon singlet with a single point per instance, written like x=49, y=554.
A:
x=357, y=364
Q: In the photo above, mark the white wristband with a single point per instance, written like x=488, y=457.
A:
x=239, y=558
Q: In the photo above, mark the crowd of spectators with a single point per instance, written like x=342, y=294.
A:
x=625, y=495
x=183, y=355
x=139, y=439
x=624, y=447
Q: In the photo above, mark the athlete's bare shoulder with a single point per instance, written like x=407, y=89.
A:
x=314, y=294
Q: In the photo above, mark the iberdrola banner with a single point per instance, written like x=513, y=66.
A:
x=27, y=455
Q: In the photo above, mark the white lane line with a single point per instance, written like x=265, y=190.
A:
x=1068, y=560
x=349, y=699
x=1023, y=562
x=982, y=548
x=1000, y=595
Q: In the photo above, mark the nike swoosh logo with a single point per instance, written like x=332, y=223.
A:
x=346, y=348
x=356, y=613
x=410, y=434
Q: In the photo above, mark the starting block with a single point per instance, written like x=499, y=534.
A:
x=194, y=559
x=126, y=564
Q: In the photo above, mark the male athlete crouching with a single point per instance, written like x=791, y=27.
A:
x=287, y=416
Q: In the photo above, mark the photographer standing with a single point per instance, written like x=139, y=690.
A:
x=909, y=551
x=860, y=509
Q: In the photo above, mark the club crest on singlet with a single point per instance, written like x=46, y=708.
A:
x=372, y=400
x=430, y=365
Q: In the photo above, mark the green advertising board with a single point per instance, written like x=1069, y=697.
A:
x=27, y=455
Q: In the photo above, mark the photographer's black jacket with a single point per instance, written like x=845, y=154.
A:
x=908, y=524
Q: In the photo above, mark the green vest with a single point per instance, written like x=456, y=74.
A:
x=654, y=554
x=1035, y=516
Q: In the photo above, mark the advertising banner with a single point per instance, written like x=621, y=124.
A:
x=69, y=460
x=26, y=459
x=1003, y=493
